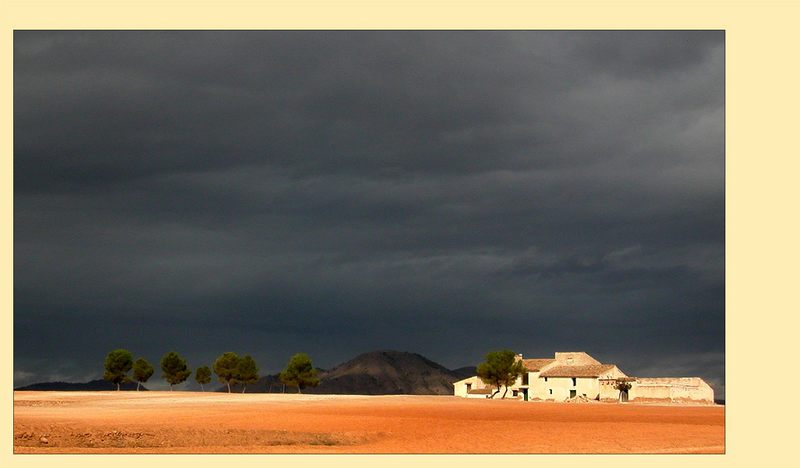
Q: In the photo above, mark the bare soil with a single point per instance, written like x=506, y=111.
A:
x=190, y=422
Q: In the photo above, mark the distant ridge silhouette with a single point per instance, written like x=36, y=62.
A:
x=92, y=385
x=374, y=373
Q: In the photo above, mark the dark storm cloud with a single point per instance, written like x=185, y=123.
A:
x=337, y=192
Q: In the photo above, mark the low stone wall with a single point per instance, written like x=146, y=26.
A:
x=689, y=390
x=675, y=390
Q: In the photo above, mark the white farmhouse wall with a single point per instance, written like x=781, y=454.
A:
x=664, y=389
x=608, y=391
x=674, y=390
x=537, y=389
x=558, y=388
x=461, y=387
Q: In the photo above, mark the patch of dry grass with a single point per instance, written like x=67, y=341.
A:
x=44, y=437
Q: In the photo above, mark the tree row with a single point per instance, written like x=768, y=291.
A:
x=230, y=368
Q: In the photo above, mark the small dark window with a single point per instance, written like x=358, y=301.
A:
x=545, y=379
x=469, y=386
x=574, y=381
x=551, y=391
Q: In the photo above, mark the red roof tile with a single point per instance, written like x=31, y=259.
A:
x=535, y=365
x=577, y=371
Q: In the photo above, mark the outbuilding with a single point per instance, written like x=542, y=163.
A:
x=576, y=374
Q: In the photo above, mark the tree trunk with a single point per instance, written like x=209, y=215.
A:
x=117, y=386
x=298, y=389
x=504, y=393
x=202, y=389
x=137, y=385
x=170, y=387
x=244, y=387
x=229, y=386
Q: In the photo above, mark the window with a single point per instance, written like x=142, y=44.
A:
x=545, y=379
x=551, y=391
x=574, y=381
x=469, y=386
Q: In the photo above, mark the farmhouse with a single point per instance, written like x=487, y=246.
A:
x=578, y=375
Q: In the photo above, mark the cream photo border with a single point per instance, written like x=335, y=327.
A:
x=761, y=195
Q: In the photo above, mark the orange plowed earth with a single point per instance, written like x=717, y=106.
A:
x=187, y=422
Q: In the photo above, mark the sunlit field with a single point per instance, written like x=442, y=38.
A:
x=193, y=422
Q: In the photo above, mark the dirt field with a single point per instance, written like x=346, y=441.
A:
x=184, y=422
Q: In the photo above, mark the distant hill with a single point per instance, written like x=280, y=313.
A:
x=375, y=373
x=92, y=385
x=464, y=372
x=386, y=373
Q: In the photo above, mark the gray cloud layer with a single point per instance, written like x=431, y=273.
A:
x=337, y=192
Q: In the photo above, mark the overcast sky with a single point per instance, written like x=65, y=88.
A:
x=446, y=193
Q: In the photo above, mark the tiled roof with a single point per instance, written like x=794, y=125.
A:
x=535, y=365
x=577, y=371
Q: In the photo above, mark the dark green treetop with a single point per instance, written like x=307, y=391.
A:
x=622, y=386
x=203, y=376
x=501, y=368
x=117, y=365
x=300, y=372
x=174, y=368
x=246, y=371
x=227, y=367
x=142, y=370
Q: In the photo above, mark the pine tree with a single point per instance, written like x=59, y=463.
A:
x=501, y=368
x=203, y=376
x=117, y=365
x=174, y=368
x=300, y=372
x=227, y=367
x=247, y=372
x=142, y=370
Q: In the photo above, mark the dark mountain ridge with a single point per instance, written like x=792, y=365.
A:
x=386, y=373
x=374, y=373
x=464, y=372
x=92, y=385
